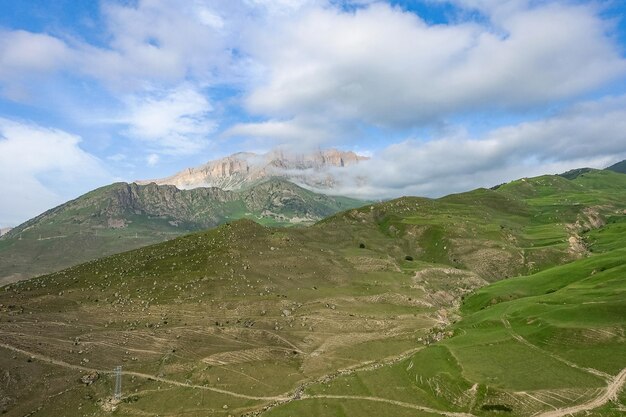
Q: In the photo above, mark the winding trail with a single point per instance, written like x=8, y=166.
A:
x=388, y=401
x=609, y=393
x=57, y=362
x=614, y=383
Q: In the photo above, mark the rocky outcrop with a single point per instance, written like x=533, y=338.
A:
x=90, y=378
x=242, y=169
x=4, y=231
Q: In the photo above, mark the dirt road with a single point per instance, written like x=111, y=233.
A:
x=610, y=392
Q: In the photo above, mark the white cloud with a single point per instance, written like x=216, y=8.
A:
x=31, y=52
x=152, y=159
x=209, y=17
x=587, y=135
x=299, y=133
x=316, y=74
x=387, y=67
x=170, y=122
x=282, y=7
x=158, y=40
x=26, y=56
x=37, y=168
x=118, y=157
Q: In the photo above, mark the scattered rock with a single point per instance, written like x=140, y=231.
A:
x=90, y=378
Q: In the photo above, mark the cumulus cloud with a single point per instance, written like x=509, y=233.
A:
x=158, y=40
x=170, y=122
x=376, y=64
x=388, y=67
x=589, y=134
x=40, y=168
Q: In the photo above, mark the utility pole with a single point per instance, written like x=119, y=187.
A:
x=117, y=395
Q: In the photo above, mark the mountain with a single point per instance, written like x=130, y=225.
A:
x=618, y=167
x=124, y=216
x=489, y=302
x=244, y=169
x=4, y=231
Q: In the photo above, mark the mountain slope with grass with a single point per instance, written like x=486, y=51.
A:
x=490, y=302
x=546, y=344
x=125, y=216
x=618, y=167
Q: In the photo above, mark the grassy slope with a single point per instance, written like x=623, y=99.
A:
x=524, y=345
x=260, y=311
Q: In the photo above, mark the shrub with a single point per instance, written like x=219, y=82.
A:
x=497, y=407
x=408, y=258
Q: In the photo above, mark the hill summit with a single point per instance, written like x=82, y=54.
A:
x=618, y=167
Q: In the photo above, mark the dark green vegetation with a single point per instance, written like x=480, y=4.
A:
x=337, y=320
x=122, y=216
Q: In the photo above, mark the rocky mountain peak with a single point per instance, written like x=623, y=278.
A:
x=245, y=168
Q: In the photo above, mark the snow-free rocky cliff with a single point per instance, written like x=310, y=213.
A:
x=317, y=170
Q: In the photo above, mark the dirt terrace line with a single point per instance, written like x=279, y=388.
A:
x=609, y=393
x=57, y=362
x=388, y=401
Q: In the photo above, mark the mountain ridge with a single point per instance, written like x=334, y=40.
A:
x=243, y=169
x=123, y=216
x=618, y=167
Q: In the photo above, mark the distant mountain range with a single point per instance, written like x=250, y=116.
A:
x=123, y=216
x=315, y=169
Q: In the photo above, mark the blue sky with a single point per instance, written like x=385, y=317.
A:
x=443, y=95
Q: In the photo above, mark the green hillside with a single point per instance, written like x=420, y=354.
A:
x=399, y=308
x=123, y=216
x=546, y=344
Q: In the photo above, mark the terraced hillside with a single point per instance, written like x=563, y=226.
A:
x=123, y=216
x=357, y=315
x=551, y=343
